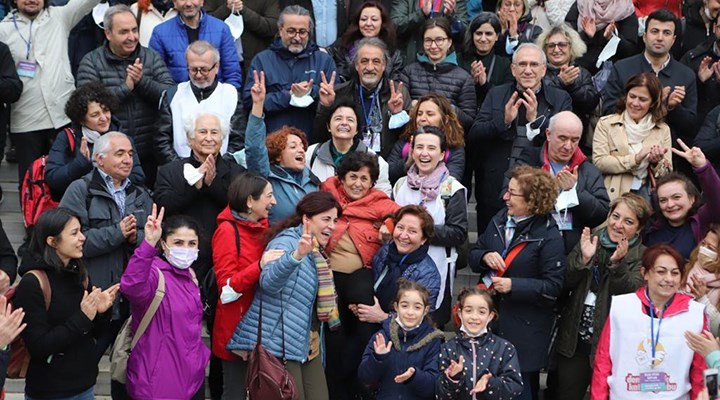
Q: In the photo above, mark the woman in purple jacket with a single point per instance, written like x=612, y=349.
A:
x=684, y=219
x=169, y=360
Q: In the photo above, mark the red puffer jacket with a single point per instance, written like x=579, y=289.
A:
x=243, y=272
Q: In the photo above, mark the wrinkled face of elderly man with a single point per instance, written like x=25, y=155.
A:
x=207, y=136
x=117, y=159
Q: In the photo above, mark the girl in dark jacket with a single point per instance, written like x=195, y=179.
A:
x=522, y=255
x=402, y=359
x=493, y=370
x=61, y=329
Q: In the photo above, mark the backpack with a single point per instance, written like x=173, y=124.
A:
x=19, y=356
x=209, y=287
x=35, y=195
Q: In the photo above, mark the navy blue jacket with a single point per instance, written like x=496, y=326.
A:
x=282, y=69
x=170, y=40
x=537, y=275
x=418, y=348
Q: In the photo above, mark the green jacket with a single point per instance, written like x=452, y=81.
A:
x=614, y=280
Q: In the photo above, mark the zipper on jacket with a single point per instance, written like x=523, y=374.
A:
x=474, y=375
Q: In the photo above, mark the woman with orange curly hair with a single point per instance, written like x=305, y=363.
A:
x=280, y=157
x=435, y=110
x=521, y=256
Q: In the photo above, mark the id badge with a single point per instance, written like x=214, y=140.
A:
x=27, y=69
x=653, y=381
x=563, y=221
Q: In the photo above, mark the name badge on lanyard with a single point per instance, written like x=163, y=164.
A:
x=26, y=67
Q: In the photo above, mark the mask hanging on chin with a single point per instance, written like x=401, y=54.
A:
x=474, y=335
x=181, y=257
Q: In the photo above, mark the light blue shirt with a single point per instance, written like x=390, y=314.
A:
x=325, y=22
x=118, y=194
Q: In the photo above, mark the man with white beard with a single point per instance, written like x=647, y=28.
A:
x=202, y=93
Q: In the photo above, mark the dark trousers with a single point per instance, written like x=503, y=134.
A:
x=345, y=346
x=29, y=146
x=573, y=377
x=531, y=385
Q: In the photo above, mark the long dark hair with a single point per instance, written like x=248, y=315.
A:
x=51, y=224
x=311, y=205
x=387, y=28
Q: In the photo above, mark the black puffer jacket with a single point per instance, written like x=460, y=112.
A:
x=138, y=111
x=695, y=32
x=708, y=90
x=445, y=78
x=585, y=97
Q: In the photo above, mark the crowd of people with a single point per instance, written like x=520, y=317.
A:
x=300, y=171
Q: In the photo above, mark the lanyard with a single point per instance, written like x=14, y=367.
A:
x=373, y=99
x=654, y=339
x=28, y=42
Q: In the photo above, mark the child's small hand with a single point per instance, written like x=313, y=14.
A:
x=481, y=384
x=455, y=367
x=380, y=346
x=405, y=375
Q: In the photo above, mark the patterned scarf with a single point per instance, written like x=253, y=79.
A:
x=429, y=185
x=327, y=308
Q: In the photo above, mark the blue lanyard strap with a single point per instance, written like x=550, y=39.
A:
x=28, y=42
x=373, y=98
x=654, y=338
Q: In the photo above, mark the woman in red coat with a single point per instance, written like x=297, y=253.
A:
x=350, y=250
x=238, y=245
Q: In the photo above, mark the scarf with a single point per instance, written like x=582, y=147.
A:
x=577, y=158
x=396, y=265
x=327, y=309
x=636, y=134
x=337, y=156
x=610, y=246
x=90, y=134
x=603, y=12
x=428, y=185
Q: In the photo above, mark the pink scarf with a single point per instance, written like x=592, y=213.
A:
x=604, y=12
x=429, y=185
x=712, y=282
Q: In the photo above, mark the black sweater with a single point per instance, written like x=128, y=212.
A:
x=61, y=340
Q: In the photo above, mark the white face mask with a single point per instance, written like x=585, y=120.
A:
x=474, y=335
x=706, y=255
x=91, y=135
x=181, y=257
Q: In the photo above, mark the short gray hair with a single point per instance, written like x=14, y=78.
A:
x=529, y=46
x=375, y=42
x=200, y=47
x=295, y=10
x=102, y=144
x=112, y=12
x=190, y=123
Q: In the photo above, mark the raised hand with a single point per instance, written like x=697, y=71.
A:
x=566, y=178
x=134, y=74
x=589, y=26
x=703, y=343
x=10, y=322
x=588, y=245
x=106, y=298
x=153, y=226
x=300, y=89
x=405, y=375
x=455, y=367
x=210, y=171
x=88, y=304
x=84, y=148
x=568, y=74
x=657, y=153
x=698, y=287
x=395, y=103
x=4, y=282
x=327, y=89
x=531, y=104
x=705, y=70
x=609, y=30
x=694, y=155
x=481, y=384
x=380, y=346
x=305, y=244
x=128, y=225
x=620, y=251
x=270, y=256
x=449, y=7
x=477, y=70
x=511, y=108
x=427, y=7
x=257, y=91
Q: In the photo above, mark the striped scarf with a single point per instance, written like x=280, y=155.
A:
x=327, y=308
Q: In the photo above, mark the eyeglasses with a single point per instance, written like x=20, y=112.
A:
x=201, y=70
x=524, y=64
x=292, y=32
x=511, y=194
x=438, y=41
x=560, y=45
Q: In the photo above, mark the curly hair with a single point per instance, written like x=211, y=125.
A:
x=387, y=28
x=454, y=132
x=538, y=187
x=77, y=105
x=277, y=141
x=653, y=86
x=577, y=46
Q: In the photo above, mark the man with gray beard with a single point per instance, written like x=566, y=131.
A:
x=202, y=93
x=293, y=66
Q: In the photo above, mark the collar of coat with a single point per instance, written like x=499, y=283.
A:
x=577, y=158
x=425, y=340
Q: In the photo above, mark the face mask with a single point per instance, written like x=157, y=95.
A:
x=474, y=335
x=91, y=135
x=706, y=256
x=181, y=257
x=408, y=328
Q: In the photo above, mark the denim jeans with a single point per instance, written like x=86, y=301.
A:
x=86, y=395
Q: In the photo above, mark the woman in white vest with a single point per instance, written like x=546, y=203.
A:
x=642, y=352
x=428, y=183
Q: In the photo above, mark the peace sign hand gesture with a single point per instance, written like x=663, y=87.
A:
x=694, y=155
x=327, y=89
x=395, y=103
x=153, y=226
x=305, y=244
x=258, y=88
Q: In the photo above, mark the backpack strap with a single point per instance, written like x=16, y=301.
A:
x=313, y=157
x=237, y=237
x=71, y=138
x=150, y=313
x=44, y=285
